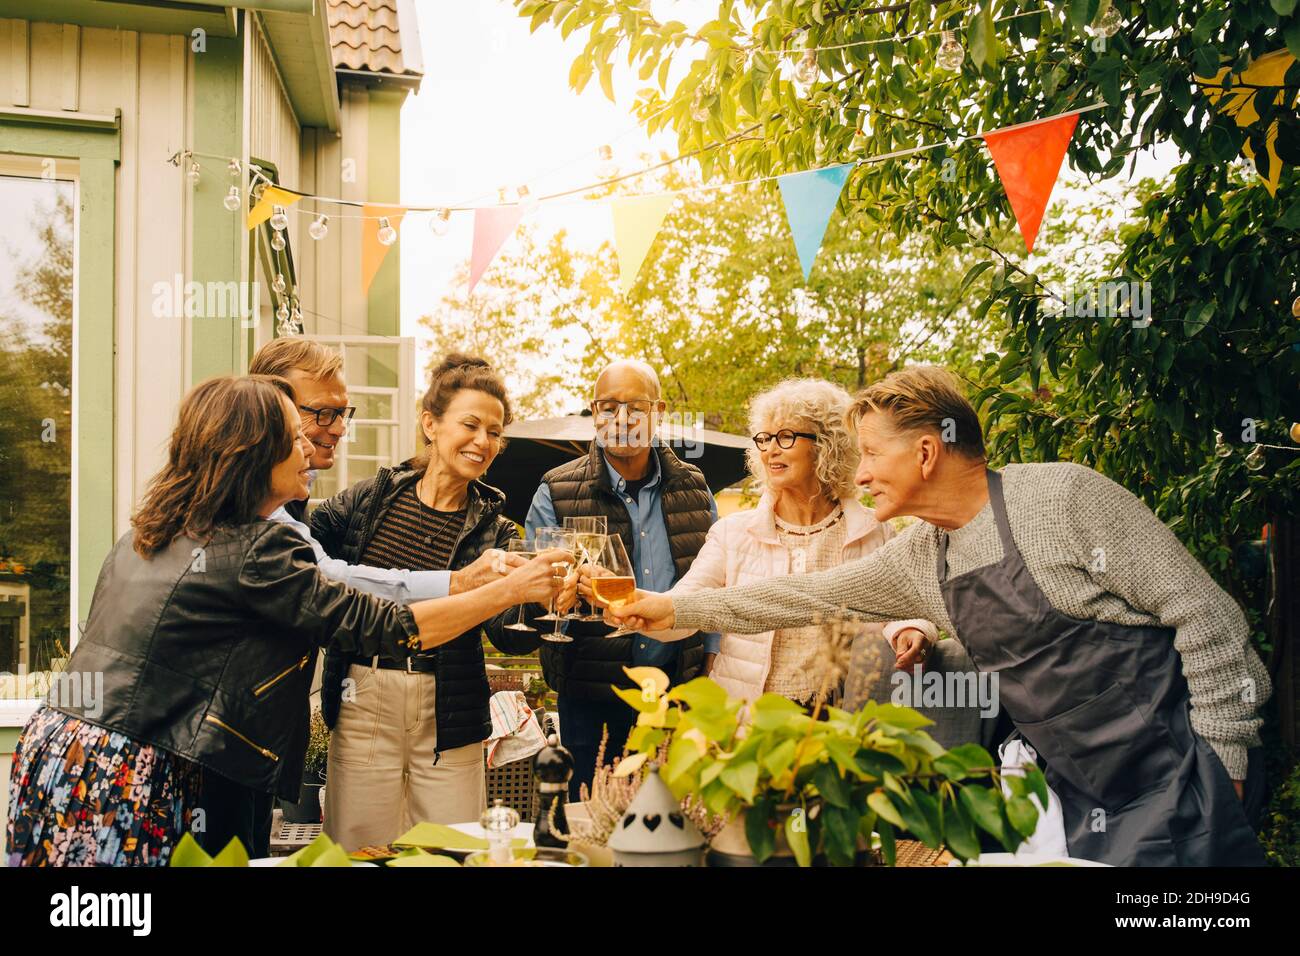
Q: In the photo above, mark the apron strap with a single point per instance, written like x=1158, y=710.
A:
x=941, y=564
x=1000, y=514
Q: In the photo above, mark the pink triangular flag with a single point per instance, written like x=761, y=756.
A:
x=492, y=227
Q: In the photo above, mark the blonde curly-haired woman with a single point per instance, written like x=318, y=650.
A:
x=808, y=519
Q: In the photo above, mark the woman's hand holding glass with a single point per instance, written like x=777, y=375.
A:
x=536, y=582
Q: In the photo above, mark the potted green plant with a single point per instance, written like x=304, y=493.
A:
x=308, y=809
x=817, y=789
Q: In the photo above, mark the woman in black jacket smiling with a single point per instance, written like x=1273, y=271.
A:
x=407, y=739
x=198, y=651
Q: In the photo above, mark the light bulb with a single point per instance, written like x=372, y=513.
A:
x=1295, y=432
x=1255, y=460
x=234, y=168
x=1295, y=308
x=295, y=320
x=700, y=106
x=278, y=284
x=232, y=200
x=319, y=227
x=1221, y=448
x=277, y=241
x=440, y=222
x=807, y=72
x=194, y=174
x=1108, y=23
x=279, y=221
x=282, y=313
x=527, y=201
x=387, y=234
x=950, y=56
x=606, y=168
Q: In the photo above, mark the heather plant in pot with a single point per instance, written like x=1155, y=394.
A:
x=821, y=787
x=308, y=807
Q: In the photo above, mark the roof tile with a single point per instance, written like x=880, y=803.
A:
x=366, y=35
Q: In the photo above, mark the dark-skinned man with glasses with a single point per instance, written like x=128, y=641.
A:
x=315, y=372
x=662, y=509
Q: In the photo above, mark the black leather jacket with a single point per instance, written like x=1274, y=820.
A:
x=344, y=525
x=208, y=648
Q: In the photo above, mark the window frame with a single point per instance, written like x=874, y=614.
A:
x=90, y=145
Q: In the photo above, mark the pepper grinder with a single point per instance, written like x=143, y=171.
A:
x=499, y=822
x=554, y=768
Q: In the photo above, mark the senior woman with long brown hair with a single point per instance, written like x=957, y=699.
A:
x=1133, y=679
x=808, y=519
x=198, y=651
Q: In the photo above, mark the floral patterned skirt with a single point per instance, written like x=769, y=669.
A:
x=80, y=795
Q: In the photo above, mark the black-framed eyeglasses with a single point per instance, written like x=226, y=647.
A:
x=785, y=438
x=325, y=417
x=607, y=409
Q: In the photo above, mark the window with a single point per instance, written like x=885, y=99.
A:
x=37, y=269
x=380, y=373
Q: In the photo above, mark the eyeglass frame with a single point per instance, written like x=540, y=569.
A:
x=632, y=413
x=776, y=435
x=342, y=411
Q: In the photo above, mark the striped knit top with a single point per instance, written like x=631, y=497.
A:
x=413, y=536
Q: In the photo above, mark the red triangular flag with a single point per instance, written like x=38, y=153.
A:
x=492, y=227
x=1028, y=159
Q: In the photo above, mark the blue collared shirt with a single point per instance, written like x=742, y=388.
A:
x=651, y=557
x=393, y=584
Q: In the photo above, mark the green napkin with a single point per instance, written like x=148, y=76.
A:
x=437, y=836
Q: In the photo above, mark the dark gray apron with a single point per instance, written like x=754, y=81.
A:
x=1107, y=708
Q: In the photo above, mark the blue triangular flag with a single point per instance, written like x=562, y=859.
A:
x=810, y=199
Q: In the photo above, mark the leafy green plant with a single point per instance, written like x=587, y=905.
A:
x=824, y=784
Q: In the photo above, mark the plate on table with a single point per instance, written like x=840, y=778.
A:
x=457, y=839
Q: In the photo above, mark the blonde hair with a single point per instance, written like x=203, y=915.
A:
x=924, y=398
x=818, y=406
x=280, y=356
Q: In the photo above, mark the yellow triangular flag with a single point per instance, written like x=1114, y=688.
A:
x=636, y=223
x=1239, y=102
x=271, y=196
x=373, y=252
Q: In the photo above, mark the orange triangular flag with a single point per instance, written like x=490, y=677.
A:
x=272, y=196
x=1028, y=158
x=373, y=251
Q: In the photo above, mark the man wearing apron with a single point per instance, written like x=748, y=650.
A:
x=1138, y=786
x=1147, y=742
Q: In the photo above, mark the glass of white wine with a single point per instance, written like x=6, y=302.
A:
x=524, y=549
x=590, y=532
x=612, y=581
x=551, y=538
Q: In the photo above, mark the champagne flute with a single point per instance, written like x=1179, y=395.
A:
x=525, y=549
x=591, y=539
x=563, y=540
x=613, y=581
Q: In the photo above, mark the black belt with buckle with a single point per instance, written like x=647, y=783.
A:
x=423, y=664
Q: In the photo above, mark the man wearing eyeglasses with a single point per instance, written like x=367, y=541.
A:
x=662, y=508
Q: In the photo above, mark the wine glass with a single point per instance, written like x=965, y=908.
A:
x=521, y=547
x=552, y=538
x=613, y=582
x=590, y=532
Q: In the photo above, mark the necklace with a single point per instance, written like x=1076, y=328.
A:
x=444, y=520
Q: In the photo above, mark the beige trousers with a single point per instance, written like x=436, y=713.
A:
x=381, y=779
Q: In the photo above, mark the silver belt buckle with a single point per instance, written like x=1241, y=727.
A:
x=409, y=668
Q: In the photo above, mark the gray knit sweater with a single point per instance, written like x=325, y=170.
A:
x=1094, y=550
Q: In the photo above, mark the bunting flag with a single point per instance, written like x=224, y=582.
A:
x=810, y=199
x=1239, y=103
x=636, y=223
x=1028, y=159
x=373, y=252
x=272, y=196
x=493, y=225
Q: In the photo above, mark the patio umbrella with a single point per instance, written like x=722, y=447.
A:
x=537, y=446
